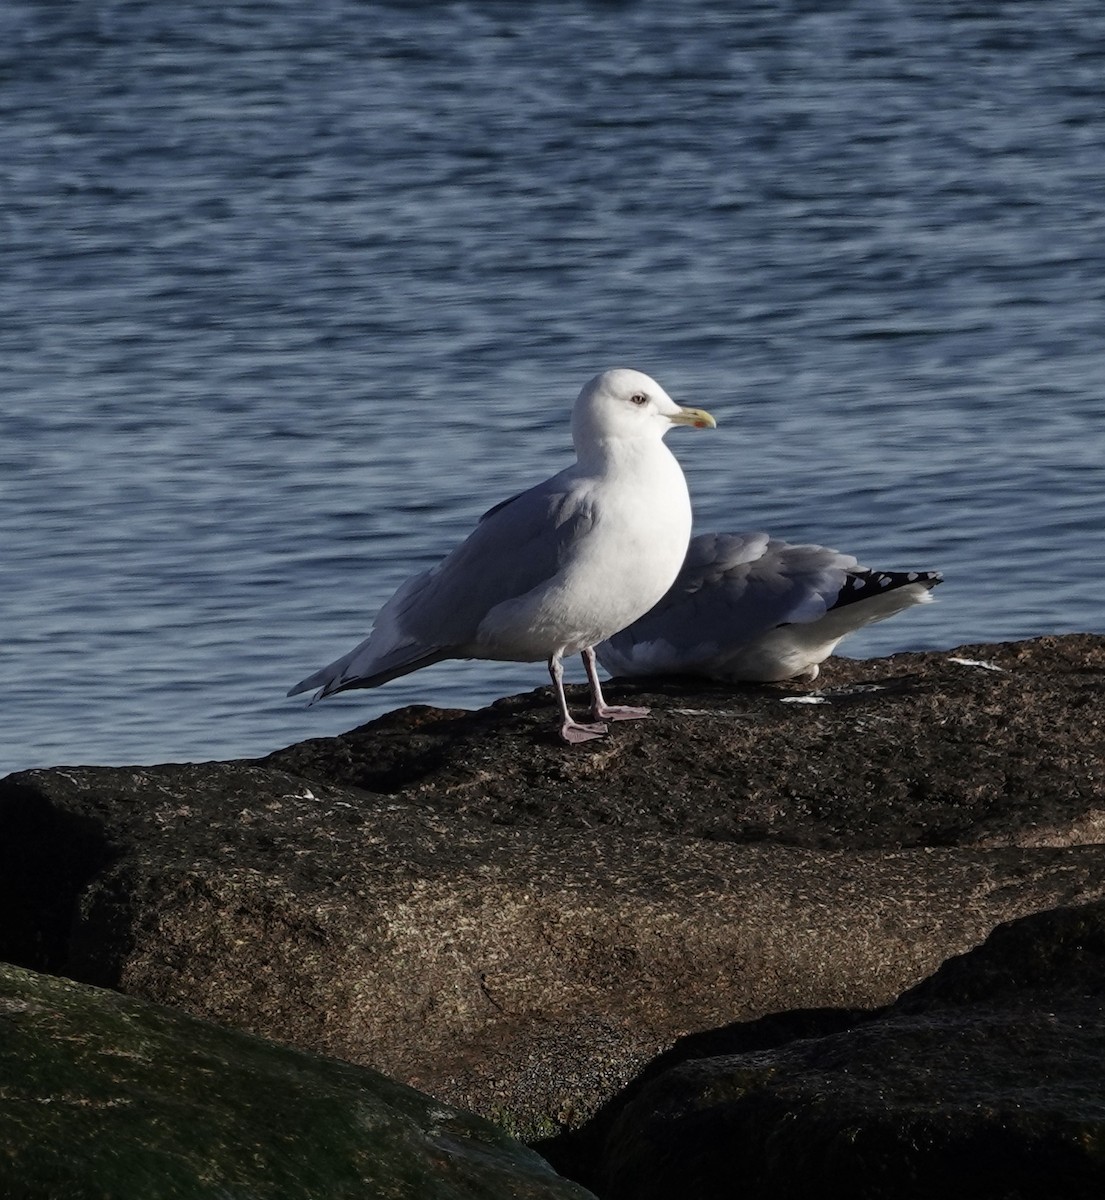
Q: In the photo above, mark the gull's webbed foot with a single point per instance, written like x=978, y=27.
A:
x=574, y=732
x=618, y=712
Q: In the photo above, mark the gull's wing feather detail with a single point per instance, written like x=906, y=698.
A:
x=751, y=607
x=517, y=546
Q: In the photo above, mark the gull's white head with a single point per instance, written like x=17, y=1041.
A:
x=626, y=404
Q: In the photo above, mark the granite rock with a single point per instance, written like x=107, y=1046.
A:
x=986, y=1080
x=519, y=927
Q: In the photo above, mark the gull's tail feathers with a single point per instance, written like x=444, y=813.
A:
x=362, y=669
x=393, y=648
x=869, y=596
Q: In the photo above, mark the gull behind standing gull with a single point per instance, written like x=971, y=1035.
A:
x=553, y=570
x=748, y=608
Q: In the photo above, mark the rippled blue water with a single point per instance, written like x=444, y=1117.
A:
x=290, y=294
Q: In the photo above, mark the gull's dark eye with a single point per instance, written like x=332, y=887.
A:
x=638, y=398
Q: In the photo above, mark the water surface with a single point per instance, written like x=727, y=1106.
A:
x=289, y=295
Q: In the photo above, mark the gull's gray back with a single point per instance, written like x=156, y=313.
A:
x=732, y=588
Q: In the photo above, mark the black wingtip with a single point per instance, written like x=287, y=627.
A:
x=861, y=585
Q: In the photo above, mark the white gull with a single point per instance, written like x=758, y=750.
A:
x=752, y=608
x=553, y=570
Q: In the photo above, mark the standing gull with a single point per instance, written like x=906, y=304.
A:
x=748, y=608
x=553, y=570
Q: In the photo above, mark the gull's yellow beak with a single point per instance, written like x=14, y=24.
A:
x=699, y=418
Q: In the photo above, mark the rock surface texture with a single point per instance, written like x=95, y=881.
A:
x=105, y=1096
x=518, y=927
x=987, y=1080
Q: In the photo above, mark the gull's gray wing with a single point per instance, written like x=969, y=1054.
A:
x=517, y=546
x=732, y=588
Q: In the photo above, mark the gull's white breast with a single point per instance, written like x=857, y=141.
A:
x=616, y=572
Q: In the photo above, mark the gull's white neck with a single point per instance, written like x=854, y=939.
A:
x=604, y=455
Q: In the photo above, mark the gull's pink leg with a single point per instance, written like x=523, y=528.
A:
x=571, y=731
x=600, y=710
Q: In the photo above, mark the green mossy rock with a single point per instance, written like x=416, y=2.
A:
x=107, y=1097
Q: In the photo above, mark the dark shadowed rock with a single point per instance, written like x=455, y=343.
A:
x=104, y=1096
x=912, y=750
x=987, y=1080
x=460, y=901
